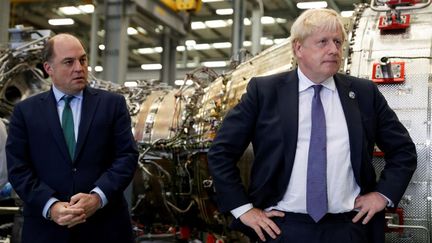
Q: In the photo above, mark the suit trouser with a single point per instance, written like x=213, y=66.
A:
x=332, y=228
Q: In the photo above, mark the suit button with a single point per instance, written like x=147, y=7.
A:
x=74, y=170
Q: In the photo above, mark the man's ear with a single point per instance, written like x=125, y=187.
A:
x=297, y=48
x=48, y=68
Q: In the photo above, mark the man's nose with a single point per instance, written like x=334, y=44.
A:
x=78, y=66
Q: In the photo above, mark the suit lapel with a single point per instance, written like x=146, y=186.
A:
x=353, y=119
x=88, y=109
x=48, y=109
x=288, y=110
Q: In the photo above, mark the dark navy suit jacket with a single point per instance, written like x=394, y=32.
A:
x=40, y=167
x=267, y=116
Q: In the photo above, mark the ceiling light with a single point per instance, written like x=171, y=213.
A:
x=215, y=64
x=98, y=68
x=181, y=48
x=266, y=41
x=130, y=84
x=267, y=20
x=81, y=9
x=155, y=66
x=88, y=8
x=158, y=49
x=308, y=5
x=198, y=25
x=224, y=11
x=179, y=82
x=281, y=20
x=190, y=43
x=132, y=31
x=66, y=21
x=203, y=46
x=216, y=23
x=141, y=30
x=146, y=51
x=247, y=43
x=222, y=45
x=347, y=14
x=246, y=21
x=101, y=47
x=70, y=10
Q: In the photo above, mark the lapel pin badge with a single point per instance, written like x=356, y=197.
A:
x=351, y=94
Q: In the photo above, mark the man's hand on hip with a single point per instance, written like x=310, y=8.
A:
x=259, y=220
x=369, y=204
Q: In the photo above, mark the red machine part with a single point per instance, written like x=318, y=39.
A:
x=395, y=3
x=392, y=23
x=395, y=217
x=398, y=70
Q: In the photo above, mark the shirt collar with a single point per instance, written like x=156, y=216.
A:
x=58, y=94
x=305, y=82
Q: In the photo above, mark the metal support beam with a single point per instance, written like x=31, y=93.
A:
x=116, y=40
x=4, y=23
x=332, y=4
x=169, y=18
x=94, y=37
x=238, y=34
x=257, y=28
x=168, y=72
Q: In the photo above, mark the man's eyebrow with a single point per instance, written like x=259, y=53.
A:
x=72, y=58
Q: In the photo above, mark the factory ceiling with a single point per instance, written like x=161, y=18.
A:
x=207, y=36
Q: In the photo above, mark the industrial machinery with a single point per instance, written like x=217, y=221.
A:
x=389, y=42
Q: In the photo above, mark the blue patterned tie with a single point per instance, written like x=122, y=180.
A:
x=316, y=194
x=68, y=125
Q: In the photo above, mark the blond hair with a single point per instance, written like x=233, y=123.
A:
x=312, y=20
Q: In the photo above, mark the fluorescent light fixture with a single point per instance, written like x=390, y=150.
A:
x=266, y=41
x=156, y=66
x=81, y=9
x=101, y=47
x=308, y=5
x=87, y=8
x=279, y=40
x=347, y=14
x=141, y=30
x=247, y=43
x=98, y=68
x=181, y=48
x=145, y=50
x=179, y=82
x=246, y=21
x=197, y=25
x=191, y=65
x=215, y=64
x=130, y=84
x=222, y=45
x=216, y=23
x=224, y=11
x=158, y=49
x=203, y=46
x=190, y=43
x=132, y=31
x=65, y=21
x=281, y=20
x=70, y=10
x=267, y=20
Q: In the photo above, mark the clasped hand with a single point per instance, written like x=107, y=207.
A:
x=76, y=211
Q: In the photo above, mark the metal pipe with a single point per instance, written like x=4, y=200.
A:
x=411, y=227
x=384, y=8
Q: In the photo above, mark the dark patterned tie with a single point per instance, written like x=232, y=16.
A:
x=68, y=125
x=316, y=195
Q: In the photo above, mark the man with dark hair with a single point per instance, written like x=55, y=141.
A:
x=71, y=154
